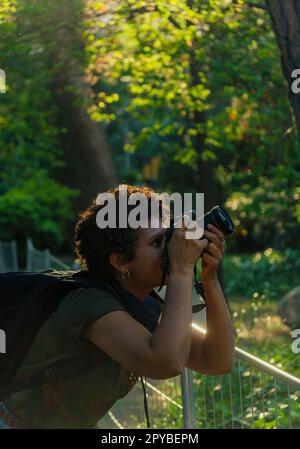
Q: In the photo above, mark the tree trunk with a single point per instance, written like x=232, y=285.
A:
x=285, y=18
x=89, y=167
x=55, y=29
x=88, y=163
x=205, y=169
x=206, y=178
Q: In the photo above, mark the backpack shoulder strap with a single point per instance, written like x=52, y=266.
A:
x=43, y=292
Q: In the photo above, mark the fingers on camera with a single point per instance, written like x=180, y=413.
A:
x=214, y=251
x=216, y=231
x=202, y=244
x=213, y=237
x=207, y=258
x=216, y=240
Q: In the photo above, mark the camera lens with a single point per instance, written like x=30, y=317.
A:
x=218, y=217
x=221, y=219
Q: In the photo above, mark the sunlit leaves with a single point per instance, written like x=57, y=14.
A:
x=30, y=135
x=7, y=11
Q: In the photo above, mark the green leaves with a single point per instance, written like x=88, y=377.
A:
x=31, y=201
x=40, y=207
x=199, y=83
x=268, y=274
x=208, y=75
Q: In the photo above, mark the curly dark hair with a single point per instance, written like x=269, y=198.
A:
x=94, y=245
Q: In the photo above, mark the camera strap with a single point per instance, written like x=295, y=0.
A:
x=200, y=292
x=197, y=284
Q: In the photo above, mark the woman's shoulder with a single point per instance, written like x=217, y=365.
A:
x=88, y=293
x=82, y=307
x=83, y=302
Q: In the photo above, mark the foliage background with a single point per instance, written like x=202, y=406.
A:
x=195, y=86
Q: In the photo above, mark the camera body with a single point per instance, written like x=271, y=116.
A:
x=217, y=216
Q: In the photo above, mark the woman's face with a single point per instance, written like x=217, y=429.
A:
x=146, y=267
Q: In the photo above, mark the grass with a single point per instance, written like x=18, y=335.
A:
x=261, y=331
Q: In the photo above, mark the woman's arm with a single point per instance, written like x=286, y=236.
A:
x=213, y=353
x=164, y=353
x=160, y=355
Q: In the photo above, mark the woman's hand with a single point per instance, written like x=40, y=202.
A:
x=213, y=254
x=183, y=252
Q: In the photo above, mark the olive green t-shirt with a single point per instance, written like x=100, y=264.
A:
x=62, y=401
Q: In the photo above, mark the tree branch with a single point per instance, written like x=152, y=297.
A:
x=256, y=5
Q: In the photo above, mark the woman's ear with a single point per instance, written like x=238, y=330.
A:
x=118, y=262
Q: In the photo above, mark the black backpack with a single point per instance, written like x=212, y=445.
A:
x=28, y=299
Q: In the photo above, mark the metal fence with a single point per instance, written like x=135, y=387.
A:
x=165, y=404
x=42, y=260
x=255, y=395
x=36, y=260
x=8, y=256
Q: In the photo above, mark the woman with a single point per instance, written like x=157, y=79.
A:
x=91, y=321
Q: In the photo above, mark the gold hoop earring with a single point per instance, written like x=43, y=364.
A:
x=128, y=275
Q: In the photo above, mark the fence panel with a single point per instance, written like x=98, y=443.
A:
x=254, y=395
x=8, y=256
x=42, y=260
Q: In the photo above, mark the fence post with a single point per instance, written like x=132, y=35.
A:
x=15, y=256
x=2, y=342
x=188, y=399
x=2, y=267
x=47, y=259
x=28, y=254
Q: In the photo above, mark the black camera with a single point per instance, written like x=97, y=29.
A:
x=217, y=216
